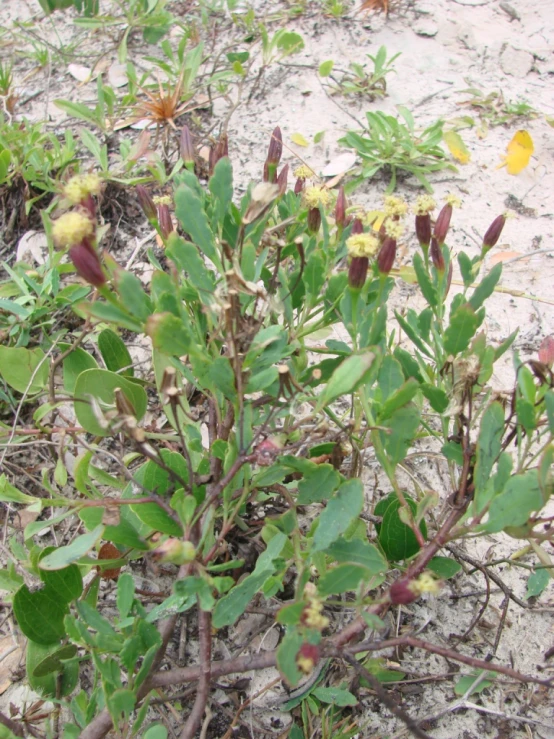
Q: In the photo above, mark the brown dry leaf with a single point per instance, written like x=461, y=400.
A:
x=374, y=5
x=109, y=551
x=504, y=256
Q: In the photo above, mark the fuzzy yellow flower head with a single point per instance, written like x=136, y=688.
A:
x=80, y=186
x=316, y=196
x=303, y=172
x=394, y=229
x=162, y=200
x=72, y=228
x=395, y=206
x=453, y=200
x=425, y=583
x=424, y=205
x=362, y=245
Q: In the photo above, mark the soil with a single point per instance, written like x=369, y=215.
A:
x=447, y=46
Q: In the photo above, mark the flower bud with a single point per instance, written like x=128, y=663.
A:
x=423, y=229
x=386, y=256
x=273, y=156
x=175, y=551
x=401, y=593
x=357, y=272
x=146, y=202
x=267, y=450
x=443, y=223
x=299, y=185
x=546, y=351
x=357, y=227
x=307, y=658
x=340, y=208
x=436, y=255
x=164, y=220
x=86, y=262
x=187, y=147
x=282, y=179
x=314, y=220
x=217, y=152
x=490, y=239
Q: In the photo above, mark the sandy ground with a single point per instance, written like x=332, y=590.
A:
x=447, y=46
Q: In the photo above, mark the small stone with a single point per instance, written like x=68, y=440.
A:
x=426, y=27
x=516, y=62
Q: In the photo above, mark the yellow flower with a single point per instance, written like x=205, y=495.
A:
x=303, y=172
x=72, y=228
x=80, y=186
x=394, y=229
x=362, y=245
x=453, y=200
x=316, y=196
x=425, y=583
x=424, y=205
x=162, y=200
x=305, y=664
x=395, y=206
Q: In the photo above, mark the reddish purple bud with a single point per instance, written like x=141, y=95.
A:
x=386, y=256
x=217, y=152
x=146, y=202
x=282, y=179
x=340, y=208
x=89, y=206
x=546, y=351
x=164, y=221
x=443, y=223
x=423, y=229
x=314, y=220
x=357, y=272
x=86, y=262
x=436, y=255
x=267, y=450
x=490, y=239
x=401, y=593
x=187, y=146
x=275, y=150
x=357, y=227
x=299, y=185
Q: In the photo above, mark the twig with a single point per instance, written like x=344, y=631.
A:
x=385, y=698
x=205, y=639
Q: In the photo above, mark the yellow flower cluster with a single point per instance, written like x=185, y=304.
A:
x=80, y=186
x=72, y=228
x=305, y=664
x=425, y=583
x=316, y=196
x=303, y=172
x=424, y=205
x=394, y=229
x=162, y=200
x=312, y=615
x=453, y=200
x=395, y=206
x=362, y=245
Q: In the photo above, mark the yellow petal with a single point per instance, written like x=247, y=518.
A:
x=519, y=153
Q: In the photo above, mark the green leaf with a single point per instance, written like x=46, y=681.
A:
x=286, y=657
x=157, y=519
x=318, y=484
x=486, y=287
x=342, y=579
x=157, y=731
x=64, y=556
x=49, y=684
x=121, y=703
x=314, y=274
x=78, y=361
x=114, y=353
x=489, y=444
x=463, y=325
x=170, y=335
x=465, y=683
x=111, y=314
x=67, y=582
x=53, y=662
x=24, y=369
x=403, y=425
x=438, y=399
x=444, y=567
x=390, y=377
x=221, y=186
x=337, y=696
x=186, y=256
x=413, y=336
x=125, y=594
x=358, y=552
x=424, y=281
x=398, y=399
x=80, y=111
x=100, y=385
x=233, y=605
x=325, y=68
x=132, y=295
x=343, y=508
x=536, y=583
x=377, y=667
x=10, y=494
x=346, y=377
x=395, y=537
x=193, y=219
x=513, y=506
x=40, y=614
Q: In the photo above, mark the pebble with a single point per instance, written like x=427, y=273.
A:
x=426, y=27
x=516, y=62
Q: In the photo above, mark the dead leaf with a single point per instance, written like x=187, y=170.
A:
x=504, y=256
x=80, y=72
x=117, y=75
x=109, y=551
x=339, y=165
x=32, y=244
x=456, y=146
x=519, y=152
x=299, y=140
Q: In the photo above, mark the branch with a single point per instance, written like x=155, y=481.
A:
x=205, y=638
